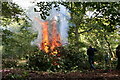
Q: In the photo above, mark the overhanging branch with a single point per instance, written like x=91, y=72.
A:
x=86, y=31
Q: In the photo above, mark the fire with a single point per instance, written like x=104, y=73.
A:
x=55, y=36
x=49, y=42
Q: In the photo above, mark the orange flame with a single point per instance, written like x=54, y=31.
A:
x=48, y=45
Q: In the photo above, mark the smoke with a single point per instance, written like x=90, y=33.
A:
x=64, y=17
x=36, y=28
x=61, y=17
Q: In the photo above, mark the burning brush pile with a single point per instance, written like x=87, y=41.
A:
x=49, y=46
x=52, y=34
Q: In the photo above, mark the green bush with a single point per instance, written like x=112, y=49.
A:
x=39, y=61
x=73, y=59
x=8, y=63
x=69, y=59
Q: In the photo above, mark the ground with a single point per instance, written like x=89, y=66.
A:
x=19, y=74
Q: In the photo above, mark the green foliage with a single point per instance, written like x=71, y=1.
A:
x=92, y=31
x=73, y=59
x=9, y=63
x=15, y=76
x=11, y=12
x=45, y=7
x=19, y=41
x=69, y=60
x=11, y=8
x=16, y=37
x=39, y=61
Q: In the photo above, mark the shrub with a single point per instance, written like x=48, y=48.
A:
x=8, y=63
x=39, y=61
x=66, y=59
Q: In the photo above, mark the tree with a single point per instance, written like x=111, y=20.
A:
x=16, y=36
x=97, y=29
x=118, y=56
x=10, y=12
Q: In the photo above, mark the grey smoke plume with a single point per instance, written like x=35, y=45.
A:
x=61, y=17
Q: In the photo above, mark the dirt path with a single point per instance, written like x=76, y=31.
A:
x=18, y=74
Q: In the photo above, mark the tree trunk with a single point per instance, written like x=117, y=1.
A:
x=109, y=46
x=118, y=56
x=118, y=64
x=76, y=35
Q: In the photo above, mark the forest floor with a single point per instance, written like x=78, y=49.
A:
x=20, y=74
